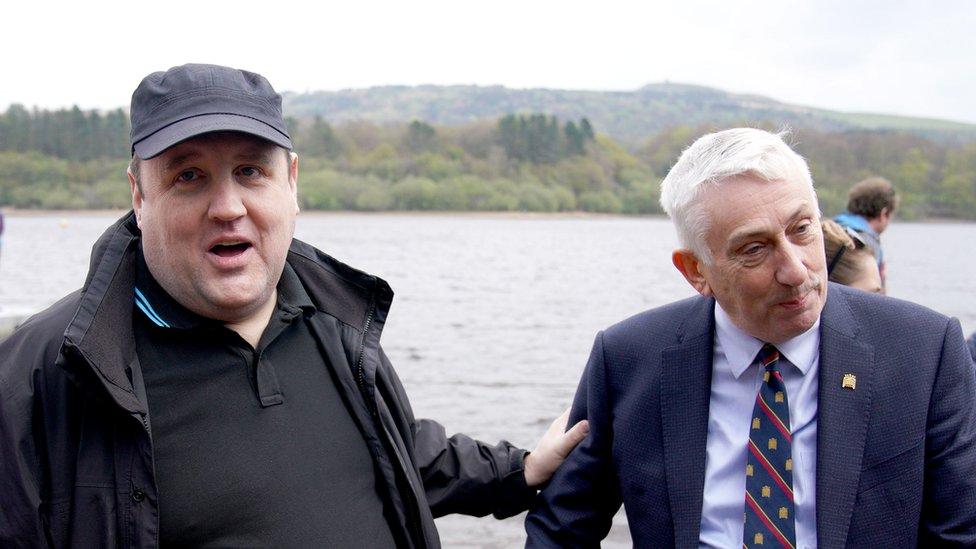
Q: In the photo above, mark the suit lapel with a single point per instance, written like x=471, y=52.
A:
x=842, y=418
x=685, y=386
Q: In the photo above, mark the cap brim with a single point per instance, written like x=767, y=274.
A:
x=165, y=138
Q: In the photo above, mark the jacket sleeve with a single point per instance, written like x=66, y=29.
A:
x=971, y=342
x=460, y=474
x=949, y=497
x=576, y=509
x=21, y=516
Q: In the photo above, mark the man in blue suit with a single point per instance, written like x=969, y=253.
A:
x=774, y=409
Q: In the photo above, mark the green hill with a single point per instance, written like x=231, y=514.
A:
x=627, y=116
x=459, y=148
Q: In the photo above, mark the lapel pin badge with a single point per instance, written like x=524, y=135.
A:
x=849, y=382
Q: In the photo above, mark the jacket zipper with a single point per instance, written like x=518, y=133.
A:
x=412, y=525
x=145, y=424
x=360, y=370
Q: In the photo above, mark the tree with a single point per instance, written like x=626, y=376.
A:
x=575, y=139
x=320, y=139
x=420, y=137
x=587, y=130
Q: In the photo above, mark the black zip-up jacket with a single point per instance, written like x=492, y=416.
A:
x=76, y=455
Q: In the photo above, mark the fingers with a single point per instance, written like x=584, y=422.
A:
x=558, y=425
x=571, y=438
x=553, y=449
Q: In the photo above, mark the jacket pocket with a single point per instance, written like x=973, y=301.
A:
x=904, y=462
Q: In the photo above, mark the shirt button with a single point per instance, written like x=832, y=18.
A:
x=138, y=495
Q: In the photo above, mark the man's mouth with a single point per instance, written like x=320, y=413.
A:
x=795, y=303
x=799, y=300
x=230, y=249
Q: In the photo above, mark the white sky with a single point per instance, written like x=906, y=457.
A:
x=893, y=56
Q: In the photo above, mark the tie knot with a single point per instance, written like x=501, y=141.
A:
x=768, y=356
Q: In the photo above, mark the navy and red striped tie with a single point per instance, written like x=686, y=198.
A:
x=769, y=467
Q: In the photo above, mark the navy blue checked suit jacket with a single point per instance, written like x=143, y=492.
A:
x=896, y=457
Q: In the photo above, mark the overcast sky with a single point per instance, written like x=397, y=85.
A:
x=900, y=57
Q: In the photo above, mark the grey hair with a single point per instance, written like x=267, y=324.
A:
x=715, y=158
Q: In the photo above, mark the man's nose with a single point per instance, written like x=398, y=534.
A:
x=226, y=201
x=791, y=270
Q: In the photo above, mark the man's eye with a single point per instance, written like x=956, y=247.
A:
x=752, y=250
x=186, y=176
x=249, y=171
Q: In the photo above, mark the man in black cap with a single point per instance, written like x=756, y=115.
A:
x=216, y=382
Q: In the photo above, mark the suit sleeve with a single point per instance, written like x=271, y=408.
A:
x=949, y=498
x=971, y=342
x=577, y=507
x=460, y=474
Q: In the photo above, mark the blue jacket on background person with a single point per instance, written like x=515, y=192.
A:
x=859, y=224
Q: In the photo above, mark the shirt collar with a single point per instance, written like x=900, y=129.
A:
x=156, y=304
x=164, y=311
x=741, y=348
x=292, y=297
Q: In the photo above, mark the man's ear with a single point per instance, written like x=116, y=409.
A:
x=293, y=178
x=136, y=195
x=690, y=267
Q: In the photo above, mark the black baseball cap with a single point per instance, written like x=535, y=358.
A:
x=190, y=100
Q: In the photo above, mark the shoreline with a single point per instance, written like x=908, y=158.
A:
x=14, y=212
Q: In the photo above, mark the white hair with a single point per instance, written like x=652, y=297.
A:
x=714, y=159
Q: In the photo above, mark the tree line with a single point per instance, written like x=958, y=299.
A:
x=76, y=159
x=71, y=134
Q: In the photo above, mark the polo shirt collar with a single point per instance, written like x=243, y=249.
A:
x=157, y=305
x=741, y=348
x=165, y=312
x=292, y=297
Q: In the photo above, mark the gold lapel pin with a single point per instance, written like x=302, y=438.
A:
x=849, y=382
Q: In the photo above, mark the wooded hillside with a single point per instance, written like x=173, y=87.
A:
x=529, y=162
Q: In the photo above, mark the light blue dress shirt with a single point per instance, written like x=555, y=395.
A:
x=735, y=383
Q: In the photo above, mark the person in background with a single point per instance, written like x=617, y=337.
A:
x=1, y=233
x=216, y=382
x=871, y=204
x=850, y=261
x=775, y=408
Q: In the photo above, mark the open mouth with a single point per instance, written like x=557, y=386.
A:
x=230, y=250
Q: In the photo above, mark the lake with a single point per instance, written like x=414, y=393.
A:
x=494, y=315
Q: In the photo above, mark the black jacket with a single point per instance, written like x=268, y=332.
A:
x=76, y=457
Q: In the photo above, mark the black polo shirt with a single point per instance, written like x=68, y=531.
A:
x=253, y=447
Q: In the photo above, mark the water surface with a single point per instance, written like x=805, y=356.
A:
x=494, y=316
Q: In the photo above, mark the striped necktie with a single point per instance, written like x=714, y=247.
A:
x=769, y=468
